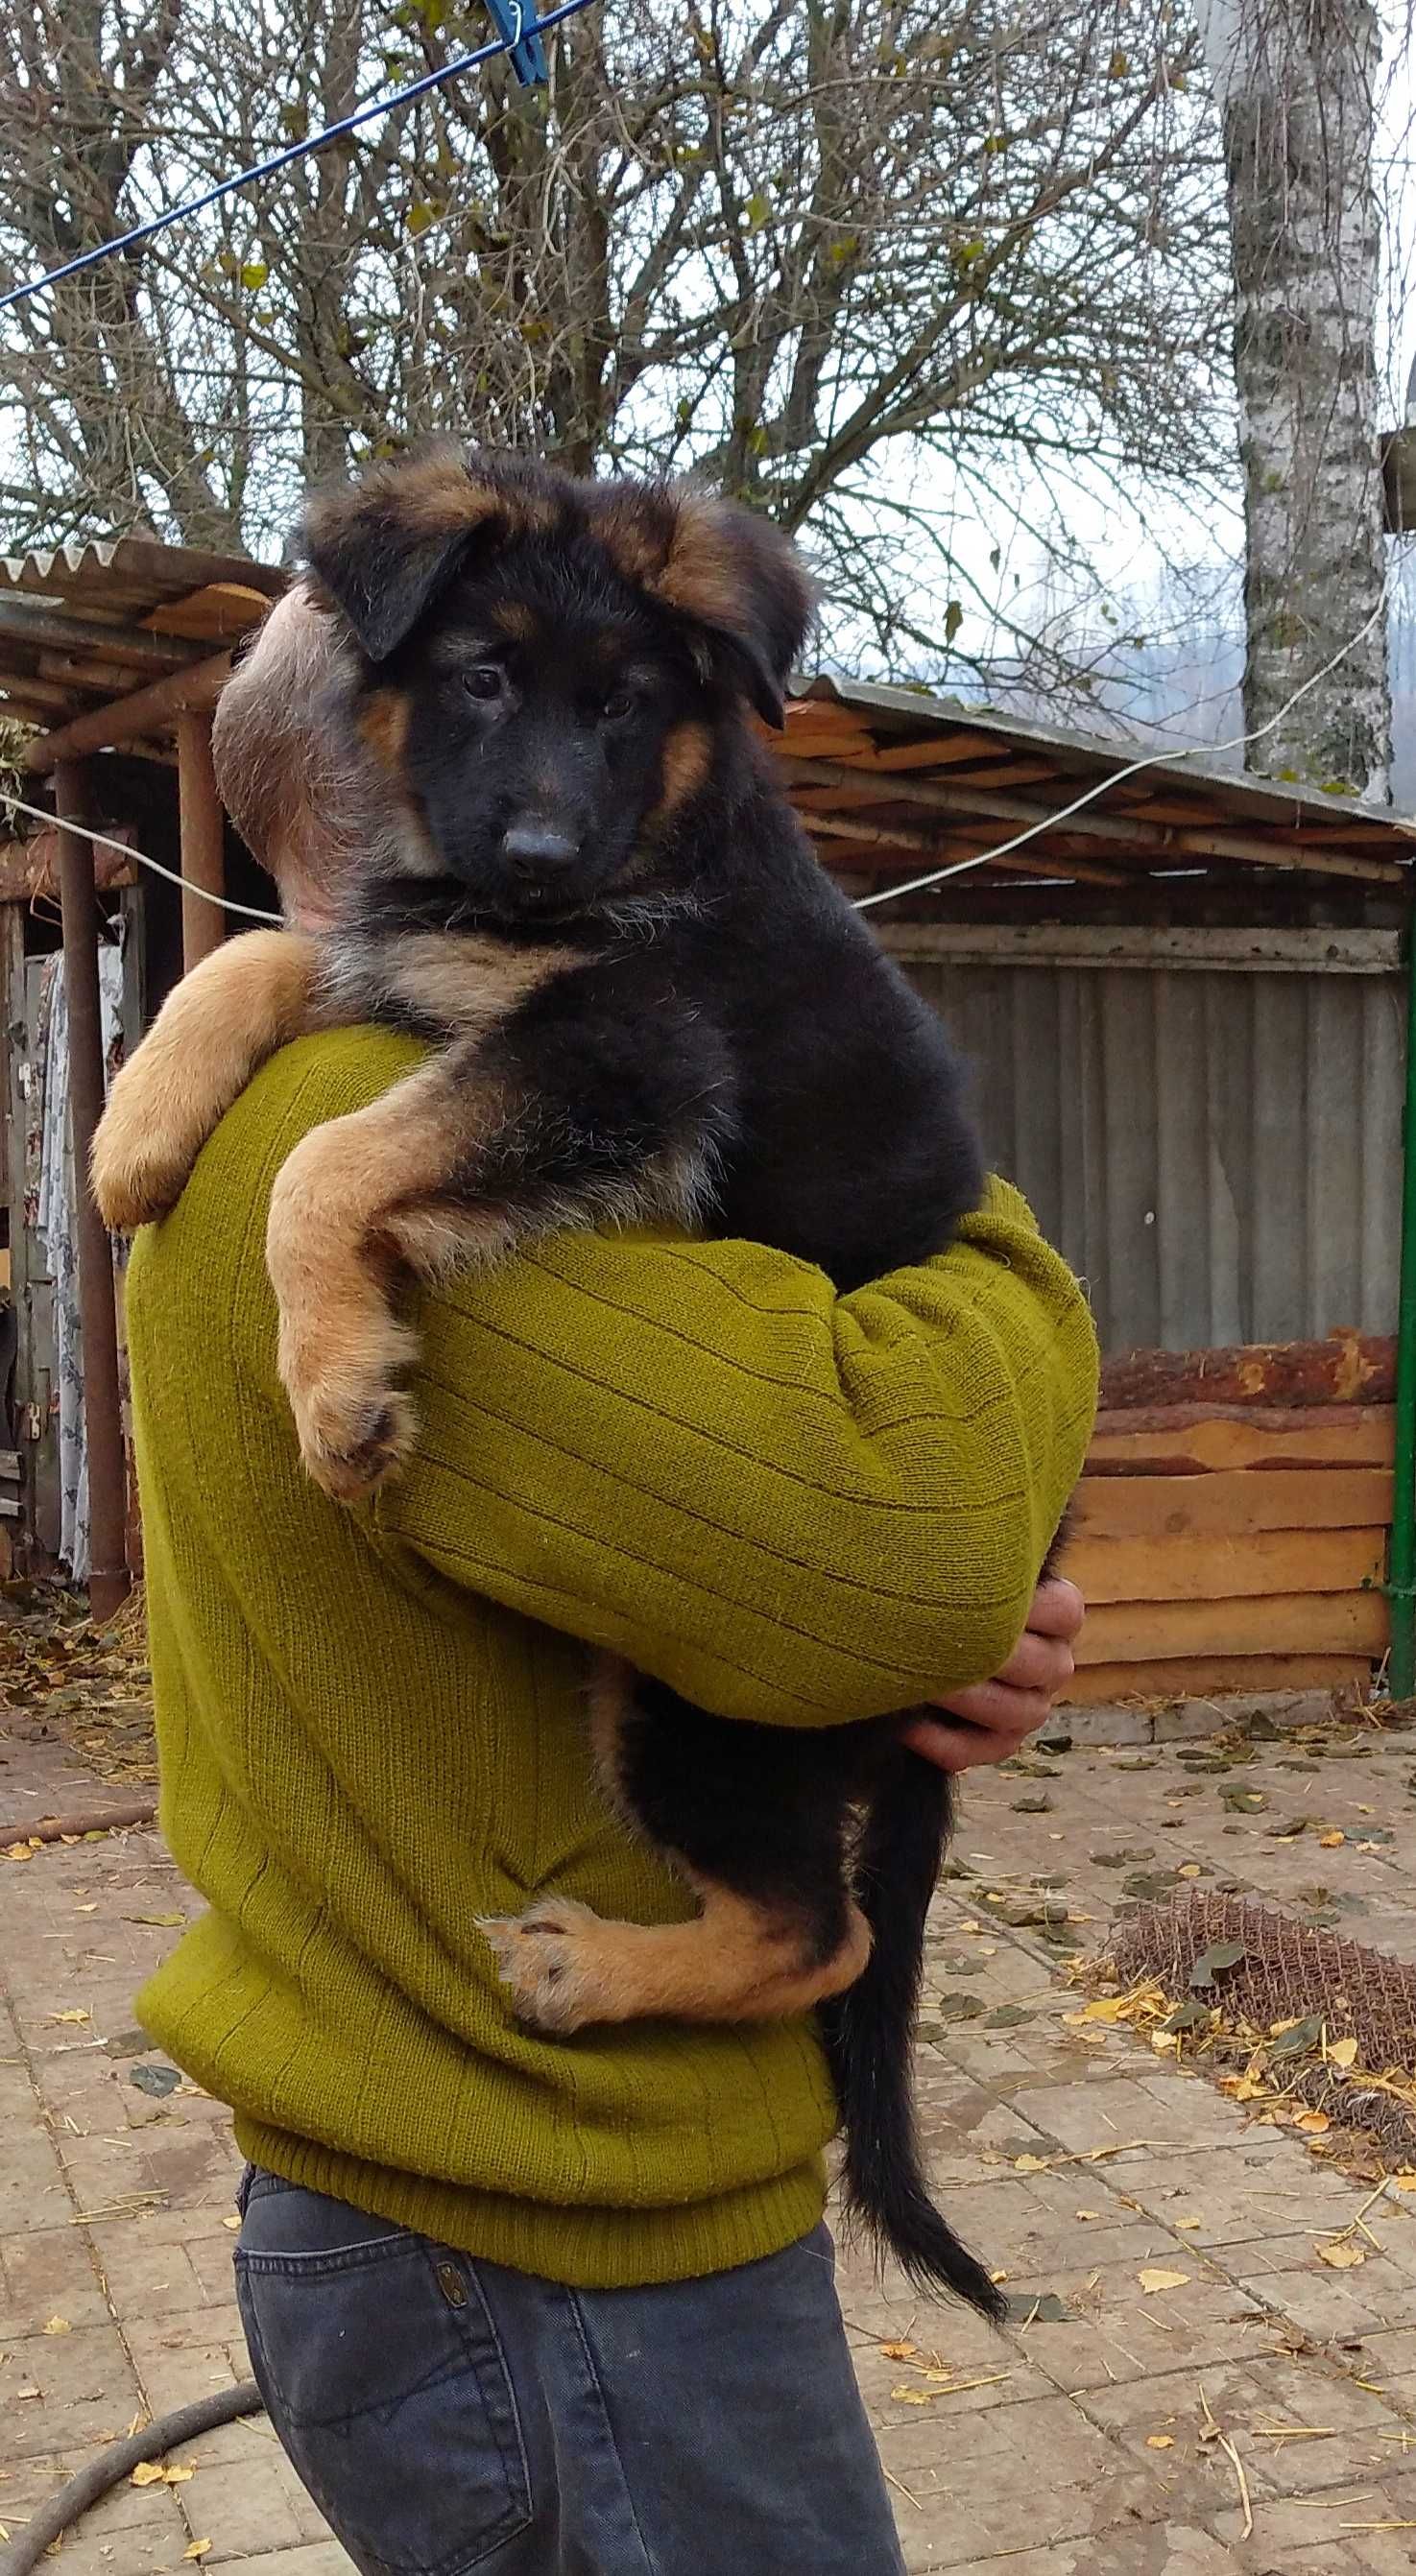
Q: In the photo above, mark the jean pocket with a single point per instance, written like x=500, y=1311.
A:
x=385, y=2379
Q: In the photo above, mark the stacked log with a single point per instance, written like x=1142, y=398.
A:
x=1230, y=1531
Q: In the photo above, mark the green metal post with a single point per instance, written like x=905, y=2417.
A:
x=1401, y=1574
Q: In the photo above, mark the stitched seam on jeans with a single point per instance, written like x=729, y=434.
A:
x=312, y=2262
x=524, y=2502
x=598, y=2385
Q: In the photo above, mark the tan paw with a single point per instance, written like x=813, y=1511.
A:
x=353, y=1442
x=545, y=1958
x=137, y=1172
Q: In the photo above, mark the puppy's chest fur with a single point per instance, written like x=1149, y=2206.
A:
x=826, y=1103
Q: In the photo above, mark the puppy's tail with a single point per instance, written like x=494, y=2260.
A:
x=869, y=2035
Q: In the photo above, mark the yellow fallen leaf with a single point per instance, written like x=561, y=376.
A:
x=58, y=2325
x=1109, y=2008
x=892, y=2351
x=1343, y=2256
x=1329, y=1842
x=177, y=2477
x=1343, y=2052
x=86, y=1909
x=18, y=1851
x=1160, y=2441
x=1313, y=2123
x=197, y=2549
x=1088, y=2213
x=1152, y=2280
x=1188, y=1869
x=1029, y=2164
x=1189, y=2222
x=1406, y=2179
x=77, y=2015
x=148, y=2473
x=234, y=2223
x=911, y=2396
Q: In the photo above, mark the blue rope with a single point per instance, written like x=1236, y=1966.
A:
x=518, y=38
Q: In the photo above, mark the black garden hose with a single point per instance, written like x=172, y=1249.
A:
x=120, y=2459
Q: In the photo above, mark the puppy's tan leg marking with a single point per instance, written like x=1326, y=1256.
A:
x=738, y=1961
x=356, y=1199
x=566, y=1966
x=212, y=1034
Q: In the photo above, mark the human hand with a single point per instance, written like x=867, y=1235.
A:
x=991, y=1720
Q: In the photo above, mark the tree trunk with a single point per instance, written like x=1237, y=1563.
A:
x=1295, y=81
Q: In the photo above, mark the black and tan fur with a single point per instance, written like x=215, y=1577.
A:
x=647, y=1002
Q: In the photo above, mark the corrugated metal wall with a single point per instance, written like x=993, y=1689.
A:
x=1218, y=1154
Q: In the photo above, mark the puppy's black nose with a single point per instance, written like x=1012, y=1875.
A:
x=538, y=849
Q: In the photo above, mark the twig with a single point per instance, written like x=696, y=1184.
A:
x=90, y=1820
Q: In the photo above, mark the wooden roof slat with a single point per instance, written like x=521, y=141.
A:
x=210, y=615
x=928, y=849
x=24, y=621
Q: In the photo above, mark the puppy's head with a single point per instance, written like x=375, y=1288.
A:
x=544, y=661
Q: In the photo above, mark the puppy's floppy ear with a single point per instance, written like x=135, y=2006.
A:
x=743, y=581
x=384, y=547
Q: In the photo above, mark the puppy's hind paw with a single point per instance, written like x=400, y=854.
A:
x=545, y=1959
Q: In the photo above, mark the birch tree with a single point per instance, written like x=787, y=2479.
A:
x=1296, y=85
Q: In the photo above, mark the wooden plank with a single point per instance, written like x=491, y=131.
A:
x=1187, y=1438
x=1197, y=1676
x=1184, y=947
x=1232, y=1502
x=209, y=616
x=1218, y=1567
x=948, y=751
x=1285, y=1623
x=1344, y=1368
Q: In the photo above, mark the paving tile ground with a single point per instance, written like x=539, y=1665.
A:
x=1258, y=2416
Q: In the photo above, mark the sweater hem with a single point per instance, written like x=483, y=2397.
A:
x=579, y=2248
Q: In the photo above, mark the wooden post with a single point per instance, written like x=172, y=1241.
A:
x=108, y=1571
x=203, y=864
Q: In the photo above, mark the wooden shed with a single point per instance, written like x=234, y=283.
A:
x=1184, y=998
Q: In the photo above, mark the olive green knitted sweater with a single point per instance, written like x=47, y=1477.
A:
x=792, y=1506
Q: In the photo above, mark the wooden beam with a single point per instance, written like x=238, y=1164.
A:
x=151, y=710
x=1344, y=1368
x=103, y=1421
x=30, y=624
x=1150, y=947
x=202, y=836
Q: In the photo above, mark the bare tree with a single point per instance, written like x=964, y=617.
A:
x=877, y=264
x=1297, y=83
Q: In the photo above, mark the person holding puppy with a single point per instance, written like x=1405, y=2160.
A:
x=533, y=2305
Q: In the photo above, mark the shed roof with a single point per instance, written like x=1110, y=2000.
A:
x=82, y=624
x=891, y=782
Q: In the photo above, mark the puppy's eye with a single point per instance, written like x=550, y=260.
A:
x=618, y=705
x=483, y=681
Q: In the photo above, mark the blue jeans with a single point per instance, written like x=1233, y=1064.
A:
x=447, y=2414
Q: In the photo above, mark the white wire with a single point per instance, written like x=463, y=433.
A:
x=1153, y=760
x=106, y=841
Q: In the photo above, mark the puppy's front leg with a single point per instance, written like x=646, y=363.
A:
x=211, y=1035
x=358, y=1200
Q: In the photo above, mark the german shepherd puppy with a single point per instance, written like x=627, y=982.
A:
x=647, y=1002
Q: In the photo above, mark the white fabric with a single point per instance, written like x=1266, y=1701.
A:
x=56, y=1226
